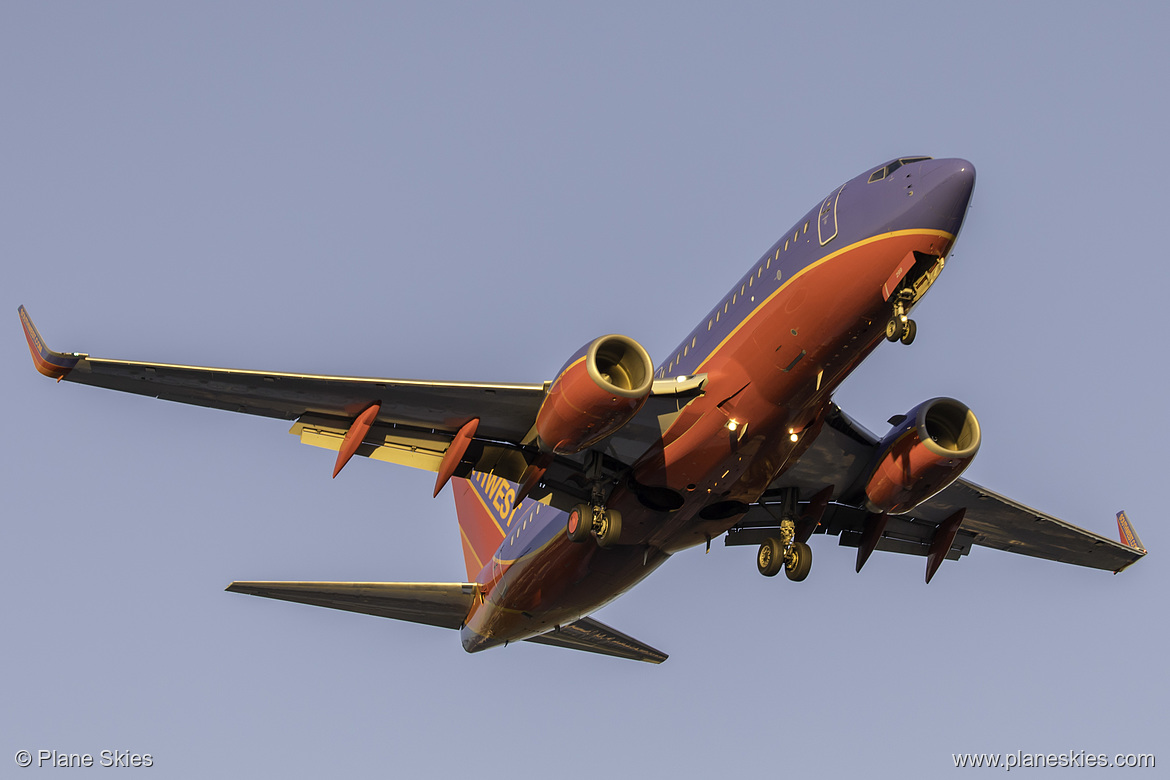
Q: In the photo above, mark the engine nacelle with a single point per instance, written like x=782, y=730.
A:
x=599, y=390
x=925, y=452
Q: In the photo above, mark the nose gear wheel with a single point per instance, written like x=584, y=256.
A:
x=900, y=327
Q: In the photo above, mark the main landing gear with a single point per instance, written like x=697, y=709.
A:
x=794, y=557
x=786, y=552
x=900, y=327
x=594, y=519
x=603, y=524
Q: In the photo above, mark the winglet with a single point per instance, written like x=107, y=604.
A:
x=1129, y=536
x=53, y=364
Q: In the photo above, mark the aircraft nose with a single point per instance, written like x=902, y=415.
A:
x=946, y=187
x=954, y=179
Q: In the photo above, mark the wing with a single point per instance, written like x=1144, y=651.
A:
x=505, y=411
x=840, y=457
x=414, y=424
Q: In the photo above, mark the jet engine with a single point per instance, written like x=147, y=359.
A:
x=598, y=391
x=927, y=449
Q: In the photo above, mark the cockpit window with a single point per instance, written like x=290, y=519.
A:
x=882, y=173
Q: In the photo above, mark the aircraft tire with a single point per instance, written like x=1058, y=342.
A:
x=611, y=528
x=894, y=329
x=909, y=332
x=801, y=564
x=579, y=524
x=770, y=558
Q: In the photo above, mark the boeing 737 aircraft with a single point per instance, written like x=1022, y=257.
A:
x=570, y=492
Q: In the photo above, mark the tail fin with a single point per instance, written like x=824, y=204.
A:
x=1128, y=535
x=483, y=503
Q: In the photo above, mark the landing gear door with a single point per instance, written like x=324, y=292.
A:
x=827, y=218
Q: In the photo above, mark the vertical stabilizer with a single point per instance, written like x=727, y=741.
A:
x=483, y=504
x=1128, y=535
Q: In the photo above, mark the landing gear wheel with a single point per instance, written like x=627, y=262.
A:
x=799, y=562
x=910, y=331
x=580, y=523
x=611, y=528
x=770, y=558
x=895, y=329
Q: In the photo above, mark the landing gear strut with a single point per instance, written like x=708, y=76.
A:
x=594, y=519
x=900, y=327
x=785, y=552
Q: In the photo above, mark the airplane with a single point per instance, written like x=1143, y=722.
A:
x=570, y=492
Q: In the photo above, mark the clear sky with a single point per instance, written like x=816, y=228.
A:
x=471, y=191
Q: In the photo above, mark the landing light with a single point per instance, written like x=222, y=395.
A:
x=794, y=436
x=732, y=425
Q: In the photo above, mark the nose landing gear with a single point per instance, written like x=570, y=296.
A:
x=900, y=327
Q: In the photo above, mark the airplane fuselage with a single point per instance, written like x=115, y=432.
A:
x=773, y=349
x=570, y=492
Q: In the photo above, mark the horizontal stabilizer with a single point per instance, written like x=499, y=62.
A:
x=593, y=637
x=443, y=604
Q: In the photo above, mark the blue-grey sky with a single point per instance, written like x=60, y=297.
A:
x=472, y=191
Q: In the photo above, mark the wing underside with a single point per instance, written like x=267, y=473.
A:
x=414, y=423
x=417, y=420
x=840, y=457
